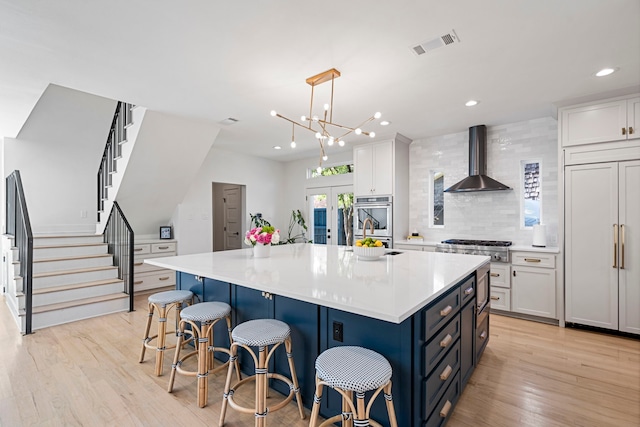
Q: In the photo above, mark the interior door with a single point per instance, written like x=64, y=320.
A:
x=232, y=218
x=331, y=215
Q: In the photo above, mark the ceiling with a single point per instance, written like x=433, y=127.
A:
x=211, y=60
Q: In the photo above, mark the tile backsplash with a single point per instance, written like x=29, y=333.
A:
x=492, y=215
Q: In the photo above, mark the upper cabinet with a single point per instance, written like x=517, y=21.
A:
x=601, y=122
x=373, y=169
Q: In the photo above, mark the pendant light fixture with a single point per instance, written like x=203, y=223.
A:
x=326, y=131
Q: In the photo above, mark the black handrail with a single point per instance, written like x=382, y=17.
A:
x=119, y=237
x=19, y=226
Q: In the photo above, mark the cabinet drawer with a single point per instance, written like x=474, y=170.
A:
x=534, y=259
x=144, y=248
x=444, y=408
x=441, y=312
x=436, y=384
x=156, y=279
x=482, y=333
x=468, y=290
x=163, y=247
x=501, y=299
x=500, y=275
x=435, y=350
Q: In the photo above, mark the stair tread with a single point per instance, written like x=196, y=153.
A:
x=57, y=236
x=74, y=286
x=75, y=303
x=70, y=258
x=77, y=270
x=70, y=245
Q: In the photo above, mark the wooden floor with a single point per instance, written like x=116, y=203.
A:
x=87, y=374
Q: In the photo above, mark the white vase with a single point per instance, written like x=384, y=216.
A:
x=262, y=251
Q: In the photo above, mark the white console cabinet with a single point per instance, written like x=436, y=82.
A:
x=533, y=284
x=147, y=277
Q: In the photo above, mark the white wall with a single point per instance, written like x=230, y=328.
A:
x=493, y=215
x=58, y=152
x=264, y=181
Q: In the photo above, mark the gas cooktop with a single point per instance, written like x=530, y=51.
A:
x=498, y=250
x=477, y=242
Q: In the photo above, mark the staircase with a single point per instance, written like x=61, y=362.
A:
x=74, y=278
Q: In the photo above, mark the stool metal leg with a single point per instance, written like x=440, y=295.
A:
x=145, y=339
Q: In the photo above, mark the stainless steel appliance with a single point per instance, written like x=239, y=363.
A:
x=379, y=209
x=497, y=250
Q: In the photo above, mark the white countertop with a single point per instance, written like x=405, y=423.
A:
x=391, y=288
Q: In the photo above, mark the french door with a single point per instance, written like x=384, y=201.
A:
x=331, y=215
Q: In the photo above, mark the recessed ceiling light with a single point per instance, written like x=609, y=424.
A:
x=471, y=103
x=605, y=72
x=277, y=147
x=385, y=123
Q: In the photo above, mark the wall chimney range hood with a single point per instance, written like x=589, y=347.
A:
x=477, y=179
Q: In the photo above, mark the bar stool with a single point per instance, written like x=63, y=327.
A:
x=163, y=302
x=207, y=314
x=347, y=370
x=261, y=333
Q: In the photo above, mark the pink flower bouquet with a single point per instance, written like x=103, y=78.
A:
x=264, y=235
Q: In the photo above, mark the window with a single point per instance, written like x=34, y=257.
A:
x=531, y=204
x=331, y=170
x=437, y=200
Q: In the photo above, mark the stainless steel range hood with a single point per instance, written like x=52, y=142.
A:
x=477, y=179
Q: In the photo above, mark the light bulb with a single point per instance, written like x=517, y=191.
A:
x=303, y=118
x=324, y=157
x=377, y=115
x=372, y=134
x=341, y=143
x=326, y=107
x=273, y=113
x=318, y=135
x=293, y=144
x=358, y=131
x=319, y=169
x=315, y=118
x=330, y=140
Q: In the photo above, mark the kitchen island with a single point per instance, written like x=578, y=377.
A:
x=415, y=308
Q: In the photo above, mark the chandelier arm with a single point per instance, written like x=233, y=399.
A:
x=311, y=106
x=295, y=123
x=331, y=114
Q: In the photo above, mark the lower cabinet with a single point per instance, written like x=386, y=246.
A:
x=500, y=299
x=533, y=284
x=467, y=341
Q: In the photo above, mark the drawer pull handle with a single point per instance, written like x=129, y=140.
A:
x=495, y=274
x=138, y=264
x=532, y=259
x=624, y=131
x=468, y=291
x=445, y=311
x=495, y=298
x=137, y=249
x=445, y=374
x=163, y=247
x=630, y=130
x=445, y=409
x=138, y=282
x=446, y=341
x=483, y=335
x=163, y=278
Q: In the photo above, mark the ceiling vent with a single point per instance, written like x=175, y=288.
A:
x=429, y=45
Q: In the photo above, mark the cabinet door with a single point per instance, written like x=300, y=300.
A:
x=500, y=299
x=591, y=280
x=633, y=118
x=467, y=335
x=629, y=210
x=383, y=168
x=500, y=275
x=533, y=291
x=594, y=123
x=363, y=177
x=249, y=304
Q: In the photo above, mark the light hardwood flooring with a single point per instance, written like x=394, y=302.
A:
x=87, y=374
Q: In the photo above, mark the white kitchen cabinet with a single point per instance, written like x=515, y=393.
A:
x=500, y=299
x=602, y=244
x=373, y=169
x=601, y=122
x=147, y=277
x=533, y=284
x=500, y=275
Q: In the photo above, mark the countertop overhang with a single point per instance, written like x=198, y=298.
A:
x=391, y=288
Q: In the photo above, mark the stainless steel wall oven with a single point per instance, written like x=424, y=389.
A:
x=379, y=209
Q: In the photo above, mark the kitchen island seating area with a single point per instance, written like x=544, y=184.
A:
x=162, y=302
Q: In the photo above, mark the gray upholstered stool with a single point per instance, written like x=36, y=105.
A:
x=348, y=370
x=261, y=333
x=163, y=302
x=201, y=318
